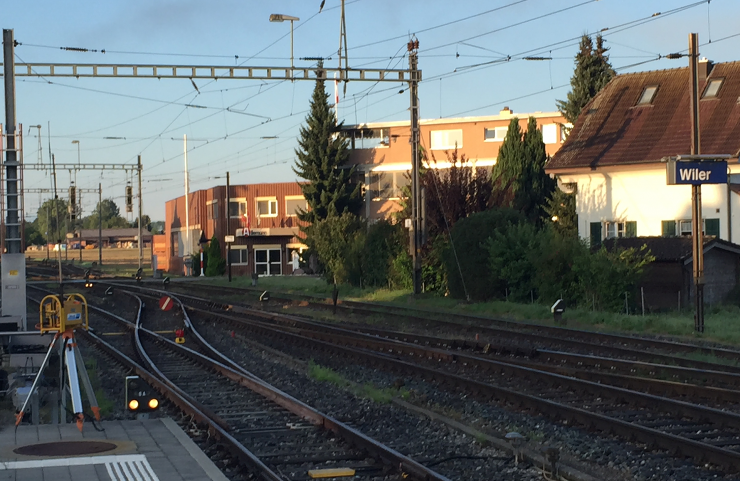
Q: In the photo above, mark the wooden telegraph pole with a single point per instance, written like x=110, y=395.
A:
x=696, y=224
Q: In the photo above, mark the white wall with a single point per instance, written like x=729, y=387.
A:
x=644, y=197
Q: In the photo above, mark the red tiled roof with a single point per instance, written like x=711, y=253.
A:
x=612, y=130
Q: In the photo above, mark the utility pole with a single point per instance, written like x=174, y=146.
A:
x=696, y=226
x=228, y=225
x=100, y=225
x=413, y=47
x=48, y=224
x=188, y=245
x=141, y=237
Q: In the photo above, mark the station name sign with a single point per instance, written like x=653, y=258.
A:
x=696, y=173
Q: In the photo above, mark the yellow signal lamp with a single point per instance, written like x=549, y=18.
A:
x=153, y=403
x=133, y=405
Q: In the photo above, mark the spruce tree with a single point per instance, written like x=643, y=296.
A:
x=537, y=186
x=320, y=157
x=509, y=168
x=593, y=71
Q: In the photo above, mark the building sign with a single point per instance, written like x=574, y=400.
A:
x=696, y=173
x=229, y=238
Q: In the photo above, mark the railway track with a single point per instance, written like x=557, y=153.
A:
x=280, y=437
x=704, y=433
x=538, y=335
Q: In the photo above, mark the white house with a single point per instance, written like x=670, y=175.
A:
x=612, y=158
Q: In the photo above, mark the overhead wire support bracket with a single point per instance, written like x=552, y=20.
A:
x=190, y=72
x=83, y=167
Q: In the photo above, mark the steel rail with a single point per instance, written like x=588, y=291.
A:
x=185, y=405
x=631, y=353
x=702, y=452
x=558, y=331
x=407, y=466
x=225, y=366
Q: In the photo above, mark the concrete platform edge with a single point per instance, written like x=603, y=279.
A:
x=200, y=457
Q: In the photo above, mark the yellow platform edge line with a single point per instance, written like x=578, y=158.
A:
x=330, y=473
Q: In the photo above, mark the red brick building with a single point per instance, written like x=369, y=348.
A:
x=261, y=217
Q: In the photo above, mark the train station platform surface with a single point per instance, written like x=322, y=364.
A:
x=142, y=450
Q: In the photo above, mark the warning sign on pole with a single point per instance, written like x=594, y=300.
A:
x=165, y=303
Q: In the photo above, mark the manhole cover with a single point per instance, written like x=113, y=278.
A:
x=67, y=448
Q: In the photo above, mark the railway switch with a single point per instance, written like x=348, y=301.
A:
x=180, y=336
x=140, y=398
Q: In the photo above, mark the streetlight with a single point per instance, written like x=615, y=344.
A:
x=278, y=17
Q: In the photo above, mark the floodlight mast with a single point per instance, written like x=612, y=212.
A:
x=278, y=17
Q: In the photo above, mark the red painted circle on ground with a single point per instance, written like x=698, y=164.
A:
x=165, y=303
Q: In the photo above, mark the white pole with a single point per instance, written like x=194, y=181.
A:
x=187, y=194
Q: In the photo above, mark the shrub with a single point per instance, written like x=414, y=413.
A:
x=468, y=254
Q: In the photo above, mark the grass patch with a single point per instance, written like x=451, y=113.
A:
x=367, y=390
x=104, y=403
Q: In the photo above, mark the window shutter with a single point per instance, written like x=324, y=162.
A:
x=711, y=227
x=668, y=228
x=595, y=234
x=630, y=229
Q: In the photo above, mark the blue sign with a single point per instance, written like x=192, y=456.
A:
x=696, y=173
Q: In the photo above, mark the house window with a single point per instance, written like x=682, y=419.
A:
x=293, y=205
x=239, y=255
x=682, y=228
x=237, y=208
x=267, y=208
x=267, y=262
x=368, y=138
x=712, y=89
x=446, y=139
x=611, y=230
x=647, y=95
x=212, y=209
x=496, y=134
x=615, y=229
x=388, y=185
x=550, y=133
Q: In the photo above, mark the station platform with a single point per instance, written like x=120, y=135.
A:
x=142, y=450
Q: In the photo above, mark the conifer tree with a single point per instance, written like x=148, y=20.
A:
x=537, y=186
x=593, y=71
x=519, y=178
x=216, y=265
x=509, y=168
x=320, y=156
x=561, y=209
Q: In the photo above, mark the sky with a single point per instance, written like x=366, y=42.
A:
x=470, y=53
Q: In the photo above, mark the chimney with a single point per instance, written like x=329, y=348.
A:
x=705, y=68
x=506, y=112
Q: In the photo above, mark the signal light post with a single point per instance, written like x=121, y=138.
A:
x=140, y=398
